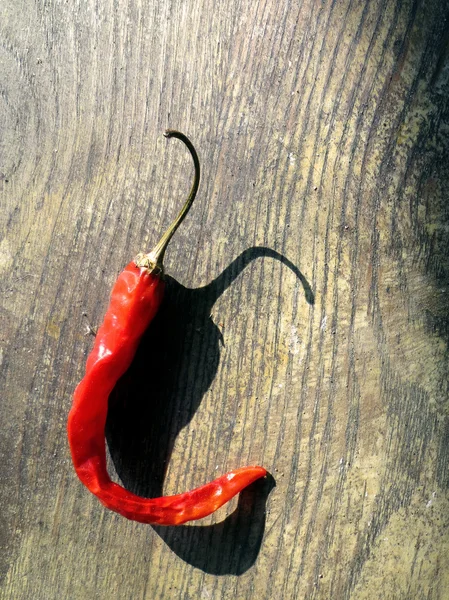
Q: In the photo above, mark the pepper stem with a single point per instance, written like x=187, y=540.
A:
x=153, y=260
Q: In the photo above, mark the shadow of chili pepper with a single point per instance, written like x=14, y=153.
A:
x=174, y=366
x=229, y=547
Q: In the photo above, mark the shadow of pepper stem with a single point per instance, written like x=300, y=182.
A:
x=217, y=287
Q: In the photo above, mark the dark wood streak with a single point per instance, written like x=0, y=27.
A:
x=319, y=352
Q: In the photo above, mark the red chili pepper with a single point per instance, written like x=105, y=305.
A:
x=135, y=299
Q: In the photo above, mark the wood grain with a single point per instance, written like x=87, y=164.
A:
x=306, y=324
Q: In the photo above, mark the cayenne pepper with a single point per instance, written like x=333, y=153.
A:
x=135, y=299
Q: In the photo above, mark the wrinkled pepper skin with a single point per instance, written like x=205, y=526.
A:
x=135, y=299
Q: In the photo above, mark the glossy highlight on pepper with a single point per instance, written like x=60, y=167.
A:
x=135, y=300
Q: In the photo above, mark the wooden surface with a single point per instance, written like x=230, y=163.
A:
x=306, y=321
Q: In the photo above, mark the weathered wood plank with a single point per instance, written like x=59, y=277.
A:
x=306, y=323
